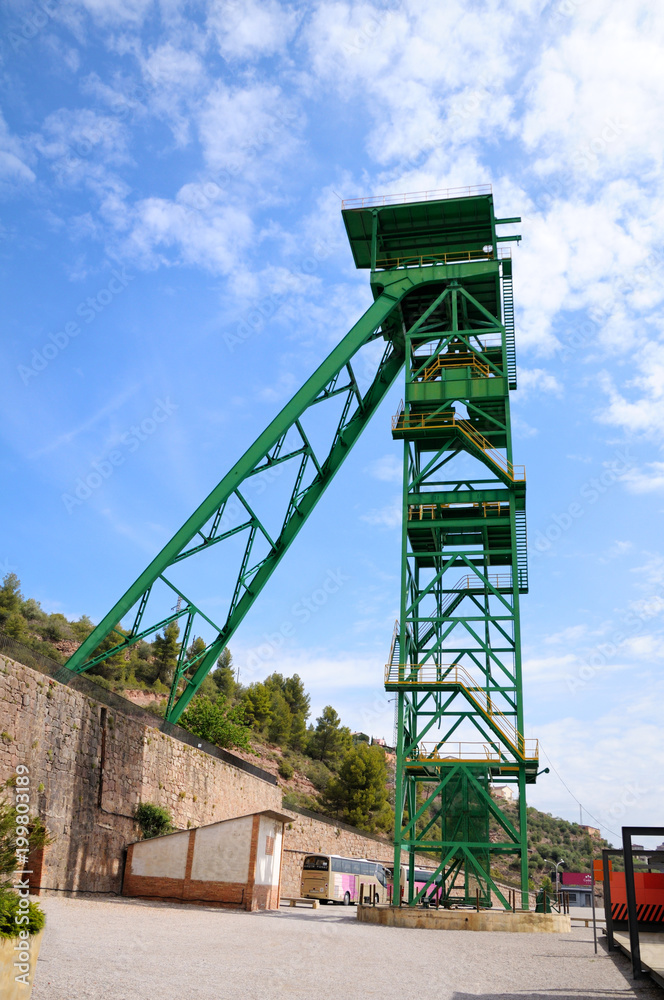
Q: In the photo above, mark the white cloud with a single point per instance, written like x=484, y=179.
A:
x=647, y=479
x=212, y=238
x=537, y=380
x=388, y=469
x=385, y=517
x=239, y=125
x=14, y=169
x=116, y=12
x=253, y=28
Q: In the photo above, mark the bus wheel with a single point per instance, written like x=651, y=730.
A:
x=347, y=899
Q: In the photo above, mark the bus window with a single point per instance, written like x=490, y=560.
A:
x=316, y=864
x=380, y=875
x=336, y=865
x=346, y=866
x=356, y=867
x=365, y=869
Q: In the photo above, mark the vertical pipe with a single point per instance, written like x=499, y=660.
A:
x=630, y=892
x=594, y=912
x=608, y=916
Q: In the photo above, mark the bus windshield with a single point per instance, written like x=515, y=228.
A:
x=316, y=864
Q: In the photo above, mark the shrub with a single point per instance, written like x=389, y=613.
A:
x=216, y=722
x=9, y=911
x=153, y=820
x=285, y=769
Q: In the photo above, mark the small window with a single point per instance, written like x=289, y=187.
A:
x=346, y=866
x=316, y=864
x=356, y=868
x=572, y=898
x=269, y=844
x=336, y=864
x=365, y=868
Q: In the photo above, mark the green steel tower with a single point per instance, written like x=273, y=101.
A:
x=442, y=288
x=455, y=661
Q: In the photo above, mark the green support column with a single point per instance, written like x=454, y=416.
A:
x=455, y=662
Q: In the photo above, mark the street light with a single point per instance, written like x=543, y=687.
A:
x=556, y=864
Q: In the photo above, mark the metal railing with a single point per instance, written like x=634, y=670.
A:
x=445, y=361
x=453, y=673
x=473, y=752
x=427, y=511
x=448, y=419
x=439, y=194
x=442, y=257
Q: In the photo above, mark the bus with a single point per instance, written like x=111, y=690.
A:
x=421, y=877
x=333, y=879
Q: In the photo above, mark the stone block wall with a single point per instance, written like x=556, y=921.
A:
x=91, y=764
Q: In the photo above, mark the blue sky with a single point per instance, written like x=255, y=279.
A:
x=174, y=266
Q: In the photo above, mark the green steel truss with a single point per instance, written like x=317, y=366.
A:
x=284, y=441
x=455, y=661
x=442, y=304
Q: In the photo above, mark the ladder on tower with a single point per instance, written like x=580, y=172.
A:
x=508, y=322
x=521, y=550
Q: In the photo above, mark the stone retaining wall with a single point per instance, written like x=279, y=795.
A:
x=91, y=764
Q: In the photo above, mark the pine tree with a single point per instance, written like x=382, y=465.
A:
x=166, y=648
x=257, y=704
x=329, y=739
x=224, y=676
x=298, y=699
x=281, y=719
x=11, y=597
x=359, y=793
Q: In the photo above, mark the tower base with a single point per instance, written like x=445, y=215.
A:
x=466, y=920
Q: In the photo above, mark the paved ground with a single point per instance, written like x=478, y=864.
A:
x=134, y=950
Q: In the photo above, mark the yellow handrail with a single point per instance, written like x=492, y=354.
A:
x=441, y=363
x=496, y=508
x=467, y=751
x=440, y=421
x=453, y=673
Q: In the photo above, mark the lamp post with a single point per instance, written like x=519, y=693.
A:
x=556, y=865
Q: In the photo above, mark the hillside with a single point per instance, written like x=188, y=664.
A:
x=321, y=767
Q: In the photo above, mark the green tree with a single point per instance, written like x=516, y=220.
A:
x=297, y=698
x=279, y=727
x=224, y=676
x=15, y=626
x=217, y=722
x=329, y=739
x=298, y=733
x=257, y=704
x=359, y=792
x=165, y=653
x=11, y=597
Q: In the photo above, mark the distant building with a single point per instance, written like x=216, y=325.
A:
x=504, y=792
x=578, y=888
x=592, y=831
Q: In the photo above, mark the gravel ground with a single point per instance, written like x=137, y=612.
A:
x=133, y=950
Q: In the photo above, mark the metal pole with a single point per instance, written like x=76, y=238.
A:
x=632, y=923
x=594, y=913
x=608, y=916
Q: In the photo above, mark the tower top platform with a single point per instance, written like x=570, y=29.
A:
x=387, y=230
